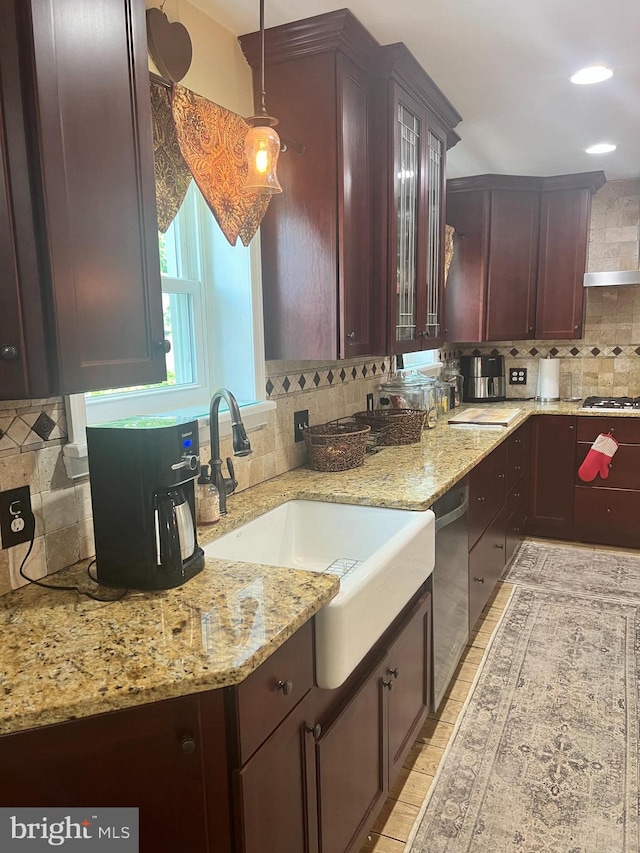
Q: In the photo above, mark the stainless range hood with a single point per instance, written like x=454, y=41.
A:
x=611, y=279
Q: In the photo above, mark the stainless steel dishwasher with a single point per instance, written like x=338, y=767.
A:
x=450, y=586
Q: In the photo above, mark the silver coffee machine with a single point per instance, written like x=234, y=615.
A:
x=483, y=378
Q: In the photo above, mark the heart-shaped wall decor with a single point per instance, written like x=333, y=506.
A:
x=169, y=45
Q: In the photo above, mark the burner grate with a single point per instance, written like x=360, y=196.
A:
x=611, y=403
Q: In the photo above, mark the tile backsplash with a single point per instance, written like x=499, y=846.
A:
x=62, y=507
x=605, y=361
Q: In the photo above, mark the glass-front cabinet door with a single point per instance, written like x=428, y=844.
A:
x=416, y=226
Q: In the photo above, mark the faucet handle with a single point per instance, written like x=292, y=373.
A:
x=230, y=483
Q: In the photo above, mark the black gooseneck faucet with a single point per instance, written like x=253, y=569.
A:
x=241, y=446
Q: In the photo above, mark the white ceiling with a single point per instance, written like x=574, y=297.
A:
x=504, y=65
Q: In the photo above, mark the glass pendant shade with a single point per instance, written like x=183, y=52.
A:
x=262, y=147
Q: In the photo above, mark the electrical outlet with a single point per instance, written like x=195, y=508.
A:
x=16, y=518
x=517, y=376
x=369, y=402
x=300, y=423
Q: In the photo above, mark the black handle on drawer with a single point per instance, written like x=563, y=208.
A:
x=481, y=499
x=8, y=352
x=393, y=671
x=500, y=545
x=479, y=580
x=285, y=686
x=387, y=684
x=316, y=730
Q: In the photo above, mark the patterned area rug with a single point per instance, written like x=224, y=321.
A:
x=612, y=574
x=545, y=757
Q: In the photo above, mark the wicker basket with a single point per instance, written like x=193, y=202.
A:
x=397, y=426
x=336, y=446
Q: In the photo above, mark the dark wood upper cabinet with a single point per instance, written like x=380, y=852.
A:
x=519, y=258
x=418, y=127
x=320, y=299
x=352, y=250
x=77, y=199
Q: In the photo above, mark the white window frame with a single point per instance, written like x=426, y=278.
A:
x=220, y=309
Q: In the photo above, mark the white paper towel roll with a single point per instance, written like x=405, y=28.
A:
x=548, y=379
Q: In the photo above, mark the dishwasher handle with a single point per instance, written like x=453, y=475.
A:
x=454, y=514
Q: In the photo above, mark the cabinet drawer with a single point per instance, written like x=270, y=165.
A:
x=487, y=488
x=486, y=564
x=265, y=698
x=517, y=510
x=607, y=516
x=518, y=498
x=624, y=430
x=624, y=470
x=518, y=446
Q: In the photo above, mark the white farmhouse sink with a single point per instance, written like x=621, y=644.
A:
x=382, y=557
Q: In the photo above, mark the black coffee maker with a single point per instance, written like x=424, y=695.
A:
x=142, y=474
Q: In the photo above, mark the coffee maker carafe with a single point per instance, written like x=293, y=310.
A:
x=142, y=475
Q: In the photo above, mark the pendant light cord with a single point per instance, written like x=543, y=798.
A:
x=263, y=107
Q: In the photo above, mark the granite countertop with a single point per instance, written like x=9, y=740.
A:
x=64, y=656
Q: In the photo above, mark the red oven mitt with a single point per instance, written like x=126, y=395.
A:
x=598, y=458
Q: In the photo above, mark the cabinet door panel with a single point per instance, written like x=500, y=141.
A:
x=408, y=672
x=624, y=468
x=352, y=768
x=486, y=564
x=518, y=450
x=261, y=699
x=607, y=516
x=128, y=758
x=354, y=211
x=553, y=456
x=564, y=228
x=96, y=156
x=624, y=430
x=277, y=808
x=517, y=509
x=513, y=261
x=487, y=489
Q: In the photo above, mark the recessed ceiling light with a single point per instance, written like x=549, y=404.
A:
x=593, y=74
x=601, y=148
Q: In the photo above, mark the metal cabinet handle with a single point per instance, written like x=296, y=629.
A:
x=187, y=745
x=394, y=672
x=480, y=580
x=285, y=686
x=501, y=476
x=387, y=684
x=351, y=335
x=316, y=730
x=481, y=499
x=8, y=352
x=500, y=545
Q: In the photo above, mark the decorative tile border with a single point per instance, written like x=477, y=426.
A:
x=30, y=428
x=285, y=384
x=542, y=351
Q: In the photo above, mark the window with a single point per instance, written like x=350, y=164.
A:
x=212, y=310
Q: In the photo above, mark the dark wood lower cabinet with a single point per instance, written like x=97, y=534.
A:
x=553, y=456
x=276, y=790
x=148, y=757
x=486, y=565
x=607, y=516
x=352, y=766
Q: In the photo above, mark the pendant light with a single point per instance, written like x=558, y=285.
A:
x=262, y=143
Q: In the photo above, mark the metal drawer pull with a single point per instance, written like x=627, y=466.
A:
x=285, y=686
x=393, y=672
x=388, y=684
x=480, y=580
x=316, y=730
x=188, y=745
x=500, y=545
x=481, y=499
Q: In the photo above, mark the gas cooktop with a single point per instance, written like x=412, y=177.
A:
x=612, y=404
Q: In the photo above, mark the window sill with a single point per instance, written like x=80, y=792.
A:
x=254, y=416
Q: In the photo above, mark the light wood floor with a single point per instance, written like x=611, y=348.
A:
x=391, y=830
